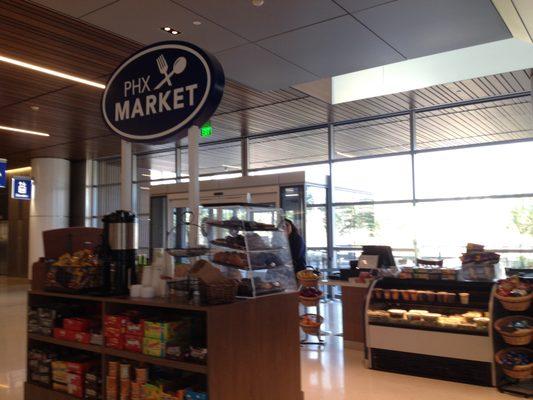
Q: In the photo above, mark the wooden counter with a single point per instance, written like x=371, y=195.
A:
x=353, y=311
x=253, y=345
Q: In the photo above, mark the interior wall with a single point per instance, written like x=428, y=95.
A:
x=77, y=193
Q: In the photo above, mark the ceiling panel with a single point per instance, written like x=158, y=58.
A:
x=421, y=27
x=525, y=10
x=76, y=8
x=358, y=5
x=258, y=68
x=142, y=22
x=274, y=17
x=334, y=47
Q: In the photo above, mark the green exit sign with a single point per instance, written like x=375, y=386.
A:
x=206, y=130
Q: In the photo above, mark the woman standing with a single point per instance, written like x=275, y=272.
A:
x=297, y=246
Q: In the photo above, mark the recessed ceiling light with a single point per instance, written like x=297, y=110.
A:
x=35, y=108
x=174, y=32
x=197, y=23
x=8, y=128
x=48, y=71
x=258, y=3
x=167, y=28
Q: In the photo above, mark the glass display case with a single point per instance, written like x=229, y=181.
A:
x=248, y=242
x=433, y=328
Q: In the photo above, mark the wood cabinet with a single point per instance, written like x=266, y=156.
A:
x=253, y=345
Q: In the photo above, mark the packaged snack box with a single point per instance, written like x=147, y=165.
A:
x=115, y=321
x=154, y=347
x=133, y=343
x=116, y=342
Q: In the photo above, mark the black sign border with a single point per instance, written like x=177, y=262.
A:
x=202, y=114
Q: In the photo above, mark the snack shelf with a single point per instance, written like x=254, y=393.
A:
x=432, y=328
x=436, y=306
x=243, y=226
x=67, y=343
x=41, y=392
x=164, y=362
x=243, y=250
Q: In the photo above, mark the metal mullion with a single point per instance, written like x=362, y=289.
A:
x=329, y=198
x=371, y=203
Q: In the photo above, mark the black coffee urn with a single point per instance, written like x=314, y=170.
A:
x=120, y=244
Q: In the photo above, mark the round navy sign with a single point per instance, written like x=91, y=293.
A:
x=161, y=90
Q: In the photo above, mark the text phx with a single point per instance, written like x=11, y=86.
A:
x=136, y=86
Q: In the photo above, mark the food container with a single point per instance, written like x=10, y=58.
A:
x=482, y=322
x=520, y=372
x=471, y=315
x=405, y=295
x=515, y=336
x=431, y=317
x=430, y=296
x=397, y=314
x=422, y=297
x=73, y=280
x=378, y=294
x=451, y=298
x=442, y=297
x=521, y=303
x=413, y=295
x=464, y=298
x=387, y=294
x=310, y=323
x=395, y=294
x=414, y=316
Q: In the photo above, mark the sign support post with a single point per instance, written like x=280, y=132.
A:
x=194, y=184
x=126, y=174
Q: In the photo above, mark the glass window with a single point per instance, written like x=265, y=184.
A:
x=377, y=224
x=477, y=123
x=315, y=227
x=374, y=179
x=315, y=194
x=215, y=159
x=158, y=167
x=108, y=199
x=313, y=173
x=479, y=171
x=294, y=148
x=382, y=136
x=444, y=228
x=317, y=258
x=109, y=171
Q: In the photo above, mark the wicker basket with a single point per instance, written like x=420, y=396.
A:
x=521, y=372
x=520, y=337
x=220, y=293
x=312, y=329
x=515, y=303
x=310, y=301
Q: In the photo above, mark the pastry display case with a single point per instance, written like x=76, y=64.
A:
x=248, y=243
x=432, y=328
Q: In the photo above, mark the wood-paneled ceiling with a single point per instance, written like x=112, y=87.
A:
x=70, y=113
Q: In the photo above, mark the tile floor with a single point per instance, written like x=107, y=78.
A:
x=329, y=373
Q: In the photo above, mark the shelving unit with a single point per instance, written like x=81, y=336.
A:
x=503, y=382
x=244, y=341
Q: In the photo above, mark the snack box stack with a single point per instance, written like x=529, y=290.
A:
x=81, y=330
x=93, y=385
x=124, y=332
x=166, y=339
x=119, y=383
x=478, y=264
x=69, y=376
x=40, y=366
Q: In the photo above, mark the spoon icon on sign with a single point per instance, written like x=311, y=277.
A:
x=177, y=68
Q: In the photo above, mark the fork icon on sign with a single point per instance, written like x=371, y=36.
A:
x=177, y=68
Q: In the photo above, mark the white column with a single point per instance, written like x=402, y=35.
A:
x=194, y=184
x=49, y=208
x=125, y=176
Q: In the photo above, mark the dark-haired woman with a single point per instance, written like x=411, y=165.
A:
x=297, y=246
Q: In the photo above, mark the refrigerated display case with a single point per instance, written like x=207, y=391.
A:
x=436, y=329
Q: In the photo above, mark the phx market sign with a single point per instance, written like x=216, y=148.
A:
x=162, y=90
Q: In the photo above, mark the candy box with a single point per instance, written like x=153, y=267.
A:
x=60, y=387
x=60, y=333
x=115, y=321
x=154, y=347
x=78, y=324
x=47, y=322
x=134, y=328
x=174, y=351
x=79, y=367
x=97, y=339
x=75, y=385
x=59, y=366
x=133, y=343
x=163, y=330
x=60, y=376
x=80, y=337
x=113, y=331
x=116, y=342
